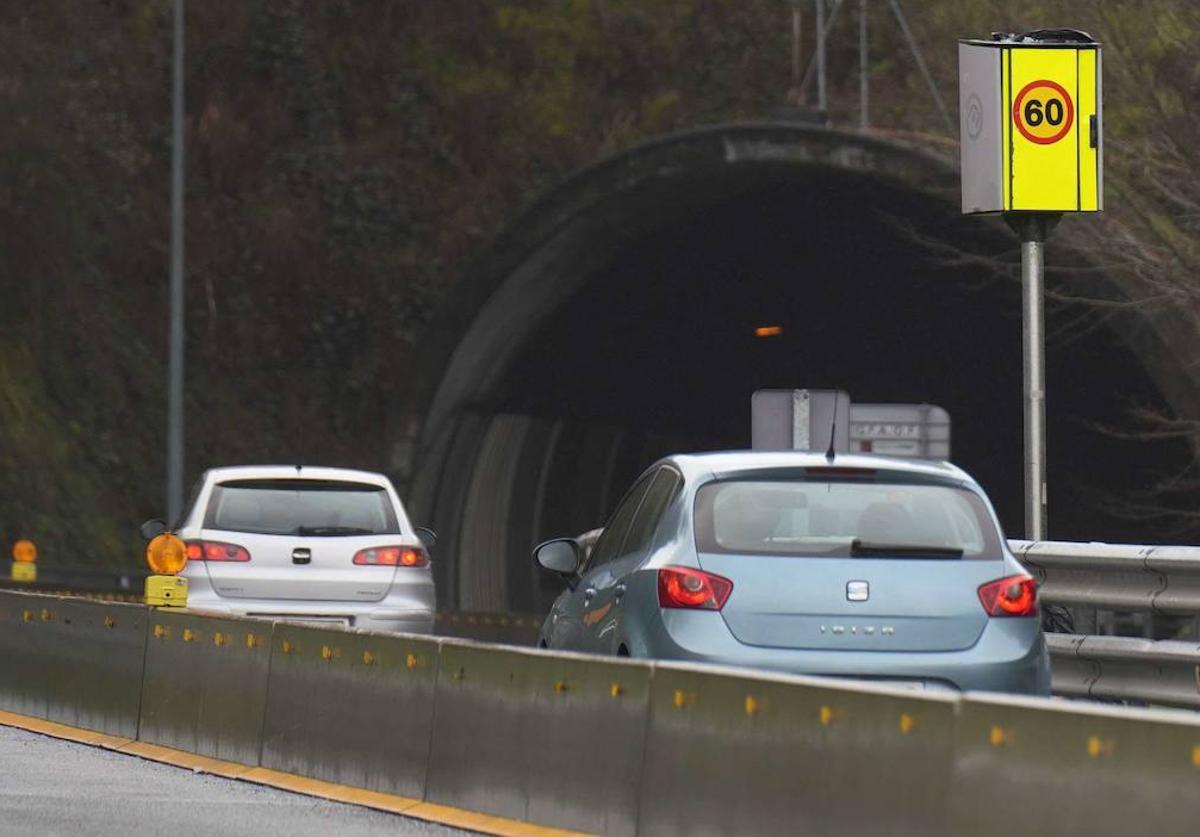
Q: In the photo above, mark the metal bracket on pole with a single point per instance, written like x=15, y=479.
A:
x=1033, y=228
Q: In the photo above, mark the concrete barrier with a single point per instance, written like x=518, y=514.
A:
x=93, y=654
x=23, y=680
x=351, y=707
x=1067, y=768
x=205, y=684
x=553, y=739
x=731, y=752
x=597, y=744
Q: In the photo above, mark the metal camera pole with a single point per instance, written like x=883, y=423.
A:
x=1033, y=228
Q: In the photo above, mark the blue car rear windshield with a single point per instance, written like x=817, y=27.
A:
x=318, y=508
x=821, y=519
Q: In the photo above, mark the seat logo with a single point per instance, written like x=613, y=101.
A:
x=857, y=591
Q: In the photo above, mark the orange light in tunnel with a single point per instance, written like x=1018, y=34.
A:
x=768, y=331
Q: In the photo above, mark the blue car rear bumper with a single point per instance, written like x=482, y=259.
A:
x=1009, y=656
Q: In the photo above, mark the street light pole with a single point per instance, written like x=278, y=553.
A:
x=175, y=361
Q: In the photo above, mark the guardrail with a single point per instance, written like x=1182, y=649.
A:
x=595, y=744
x=1156, y=579
x=1114, y=668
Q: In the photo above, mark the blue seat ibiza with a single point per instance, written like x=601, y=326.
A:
x=858, y=566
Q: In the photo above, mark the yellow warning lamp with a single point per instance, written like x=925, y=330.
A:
x=24, y=555
x=167, y=555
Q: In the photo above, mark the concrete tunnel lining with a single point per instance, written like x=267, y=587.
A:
x=464, y=457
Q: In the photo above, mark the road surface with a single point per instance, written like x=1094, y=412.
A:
x=54, y=788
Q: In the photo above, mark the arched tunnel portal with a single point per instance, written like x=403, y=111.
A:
x=615, y=322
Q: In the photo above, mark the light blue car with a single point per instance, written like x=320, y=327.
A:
x=858, y=566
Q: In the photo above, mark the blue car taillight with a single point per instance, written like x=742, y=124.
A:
x=1015, y=595
x=683, y=587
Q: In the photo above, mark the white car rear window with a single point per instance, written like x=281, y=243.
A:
x=301, y=507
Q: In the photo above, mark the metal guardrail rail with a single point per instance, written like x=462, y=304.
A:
x=1157, y=579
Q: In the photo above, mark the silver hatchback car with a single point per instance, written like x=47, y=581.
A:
x=861, y=566
x=306, y=544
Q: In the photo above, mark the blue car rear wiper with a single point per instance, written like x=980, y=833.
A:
x=860, y=547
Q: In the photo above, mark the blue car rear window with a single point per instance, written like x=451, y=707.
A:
x=843, y=517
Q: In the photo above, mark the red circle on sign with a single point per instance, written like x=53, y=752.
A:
x=1019, y=119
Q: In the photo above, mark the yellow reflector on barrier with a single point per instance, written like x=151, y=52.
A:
x=166, y=554
x=24, y=573
x=997, y=736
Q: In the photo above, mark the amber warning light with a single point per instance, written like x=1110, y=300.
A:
x=768, y=331
x=167, y=555
x=24, y=555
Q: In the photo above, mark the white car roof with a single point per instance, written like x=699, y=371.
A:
x=295, y=472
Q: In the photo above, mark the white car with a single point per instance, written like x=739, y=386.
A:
x=306, y=544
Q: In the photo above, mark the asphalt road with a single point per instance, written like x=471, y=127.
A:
x=50, y=788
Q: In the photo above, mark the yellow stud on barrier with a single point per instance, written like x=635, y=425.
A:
x=252, y=641
x=47, y=615
x=826, y=716
x=27, y=616
x=219, y=639
x=998, y=737
x=368, y=658
x=616, y=690
x=561, y=687
x=907, y=723
x=188, y=635
x=328, y=653
x=288, y=647
x=1196, y=755
x=753, y=707
x=410, y=662
x=161, y=631
x=683, y=698
x=1098, y=747
x=109, y=622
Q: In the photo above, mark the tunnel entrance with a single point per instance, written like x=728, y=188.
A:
x=630, y=333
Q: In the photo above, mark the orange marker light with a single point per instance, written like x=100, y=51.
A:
x=166, y=554
x=24, y=552
x=768, y=331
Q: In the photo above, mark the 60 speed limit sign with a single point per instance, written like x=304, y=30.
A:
x=1030, y=108
x=1043, y=112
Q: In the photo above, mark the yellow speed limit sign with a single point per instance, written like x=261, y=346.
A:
x=1030, y=110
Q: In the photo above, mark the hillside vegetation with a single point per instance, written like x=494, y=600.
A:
x=345, y=160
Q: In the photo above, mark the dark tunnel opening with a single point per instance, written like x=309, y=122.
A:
x=655, y=352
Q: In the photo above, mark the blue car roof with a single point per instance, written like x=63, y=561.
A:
x=722, y=462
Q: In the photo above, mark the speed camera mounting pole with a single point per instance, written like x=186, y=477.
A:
x=175, y=360
x=1033, y=229
x=1030, y=127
